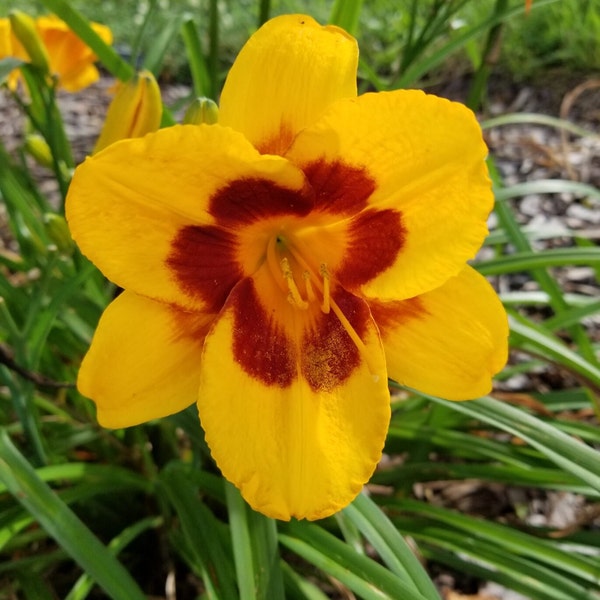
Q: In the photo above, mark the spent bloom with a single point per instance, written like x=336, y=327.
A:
x=69, y=59
x=280, y=265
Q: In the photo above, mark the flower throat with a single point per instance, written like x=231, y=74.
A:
x=282, y=253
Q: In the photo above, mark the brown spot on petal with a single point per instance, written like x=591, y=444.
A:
x=245, y=201
x=338, y=187
x=203, y=262
x=375, y=239
x=329, y=356
x=260, y=345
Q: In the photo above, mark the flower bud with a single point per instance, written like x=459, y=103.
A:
x=24, y=29
x=202, y=110
x=58, y=232
x=38, y=149
x=135, y=110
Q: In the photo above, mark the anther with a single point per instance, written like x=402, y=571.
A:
x=294, y=296
x=325, y=305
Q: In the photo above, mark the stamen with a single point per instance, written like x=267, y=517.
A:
x=325, y=305
x=355, y=338
x=294, y=293
x=310, y=292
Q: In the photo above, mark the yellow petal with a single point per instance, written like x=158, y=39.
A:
x=131, y=207
x=293, y=415
x=423, y=157
x=449, y=342
x=144, y=361
x=288, y=72
x=11, y=47
x=70, y=58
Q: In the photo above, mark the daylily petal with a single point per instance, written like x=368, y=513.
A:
x=11, y=47
x=424, y=157
x=293, y=414
x=288, y=72
x=144, y=361
x=144, y=217
x=449, y=342
x=70, y=58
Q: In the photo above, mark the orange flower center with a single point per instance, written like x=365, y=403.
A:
x=287, y=264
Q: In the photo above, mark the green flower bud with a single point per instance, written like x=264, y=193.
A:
x=58, y=232
x=24, y=29
x=201, y=110
x=38, y=149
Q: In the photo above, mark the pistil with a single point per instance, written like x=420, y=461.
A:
x=282, y=270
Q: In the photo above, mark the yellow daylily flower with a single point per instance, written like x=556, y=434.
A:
x=11, y=47
x=279, y=265
x=135, y=110
x=71, y=60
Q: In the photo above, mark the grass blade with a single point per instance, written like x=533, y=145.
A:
x=390, y=545
x=364, y=576
x=201, y=533
x=346, y=14
x=63, y=525
x=571, y=455
x=255, y=550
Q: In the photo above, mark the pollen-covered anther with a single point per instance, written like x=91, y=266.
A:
x=294, y=296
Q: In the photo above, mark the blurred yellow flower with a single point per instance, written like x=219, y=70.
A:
x=70, y=59
x=10, y=47
x=135, y=110
x=279, y=265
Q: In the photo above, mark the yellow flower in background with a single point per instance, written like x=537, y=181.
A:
x=278, y=266
x=135, y=110
x=11, y=47
x=71, y=60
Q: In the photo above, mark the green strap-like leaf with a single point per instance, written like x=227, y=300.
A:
x=390, y=545
x=63, y=525
x=255, y=550
x=575, y=457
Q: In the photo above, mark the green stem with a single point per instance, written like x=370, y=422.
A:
x=489, y=58
x=213, y=53
x=264, y=11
